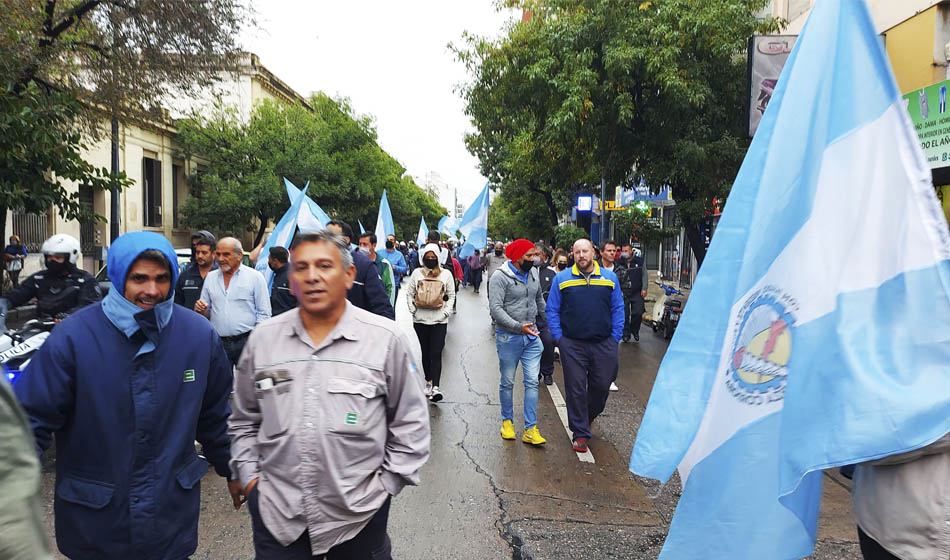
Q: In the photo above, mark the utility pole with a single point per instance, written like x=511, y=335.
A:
x=114, y=214
x=603, y=210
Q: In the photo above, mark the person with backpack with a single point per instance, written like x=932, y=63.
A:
x=430, y=294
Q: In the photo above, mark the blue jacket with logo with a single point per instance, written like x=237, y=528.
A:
x=127, y=392
x=586, y=308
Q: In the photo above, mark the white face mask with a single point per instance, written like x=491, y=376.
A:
x=364, y=250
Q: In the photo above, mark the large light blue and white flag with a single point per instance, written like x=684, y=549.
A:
x=284, y=231
x=474, y=224
x=818, y=330
x=311, y=216
x=384, y=223
x=448, y=225
x=423, y=235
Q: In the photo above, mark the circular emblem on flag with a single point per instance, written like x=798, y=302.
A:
x=759, y=363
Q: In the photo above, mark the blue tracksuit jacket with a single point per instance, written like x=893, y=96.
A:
x=582, y=308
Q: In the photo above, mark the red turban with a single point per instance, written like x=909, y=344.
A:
x=516, y=249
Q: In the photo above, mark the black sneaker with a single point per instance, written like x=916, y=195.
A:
x=549, y=380
x=626, y=338
x=636, y=336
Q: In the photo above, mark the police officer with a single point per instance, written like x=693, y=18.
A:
x=60, y=289
x=188, y=289
x=634, y=280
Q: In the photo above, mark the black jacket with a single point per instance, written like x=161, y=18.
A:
x=281, y=298
x=57, y=294
x=188, y=287
x=368, y=292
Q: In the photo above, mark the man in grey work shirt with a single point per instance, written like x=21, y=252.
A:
x=234, y=297
x=329, y=419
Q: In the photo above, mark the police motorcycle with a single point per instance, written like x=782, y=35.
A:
x=17, y=347
x=667, y=311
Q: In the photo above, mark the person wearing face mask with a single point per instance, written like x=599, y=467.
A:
x=395, y=258
x=127, y=386
x=515, y=302
x=546, y=275
x=367, y=248
x=59, y=290
x=430, y=294
x=634, y=280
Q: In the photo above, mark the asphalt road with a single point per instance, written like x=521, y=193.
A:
x=485, y=498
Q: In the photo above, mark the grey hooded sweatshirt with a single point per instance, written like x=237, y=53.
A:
x=512, y=302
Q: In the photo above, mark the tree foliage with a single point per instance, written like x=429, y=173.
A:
x=41, y=152
x=566, y=235
x=516, y=213
x=120, y=56
x=614, y=89
x=241, y=186
x=637, y=225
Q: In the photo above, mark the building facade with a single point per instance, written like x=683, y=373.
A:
x=150, y=157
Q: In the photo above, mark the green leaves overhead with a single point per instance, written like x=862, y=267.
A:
x=622, y=90
x=240, y=186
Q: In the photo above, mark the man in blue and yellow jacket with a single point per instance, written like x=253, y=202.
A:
x=585, y=315
x=127, y=386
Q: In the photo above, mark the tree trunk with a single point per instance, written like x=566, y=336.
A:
x=3, y=231
x=549, y=201
x=696, y=243
x=260, y=230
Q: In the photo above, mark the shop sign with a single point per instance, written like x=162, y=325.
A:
x=928, y=112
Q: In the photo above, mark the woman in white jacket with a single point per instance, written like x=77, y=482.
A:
x=430, y=293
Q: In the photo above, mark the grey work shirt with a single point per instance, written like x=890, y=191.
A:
x=903, y=501
x=244, y=303
x=333, y=430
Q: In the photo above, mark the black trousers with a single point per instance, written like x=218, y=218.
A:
x=633, y=308
x=547, y=355
x=432, y=341
x=234, y=347
x=372, y=543
x=871, y=550
x=475, y=276
x=589, y=369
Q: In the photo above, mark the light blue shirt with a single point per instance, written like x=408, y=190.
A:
x=237, y=309
x=398, y=261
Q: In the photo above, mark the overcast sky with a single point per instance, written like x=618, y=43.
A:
x=390, y=59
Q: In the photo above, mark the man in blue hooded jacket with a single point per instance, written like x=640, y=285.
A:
x=127, y=385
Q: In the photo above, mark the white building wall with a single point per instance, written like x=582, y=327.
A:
x=886, y=13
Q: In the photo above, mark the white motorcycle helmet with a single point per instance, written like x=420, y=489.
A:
x=62, y=244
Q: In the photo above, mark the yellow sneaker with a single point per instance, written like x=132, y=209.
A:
x=533, y=436
x=507, y=430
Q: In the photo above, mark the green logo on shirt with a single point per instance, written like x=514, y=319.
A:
x=189, y=376
x=351, y=418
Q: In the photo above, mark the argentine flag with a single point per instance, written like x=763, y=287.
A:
x=384, y=223
x=818, y=330
x=311, y=216
x=284, y=231
x=474, y=224
x=423, y=234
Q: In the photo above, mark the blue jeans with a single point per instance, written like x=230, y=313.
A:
x=513, y=348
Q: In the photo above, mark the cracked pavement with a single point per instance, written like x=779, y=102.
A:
x=485, y=498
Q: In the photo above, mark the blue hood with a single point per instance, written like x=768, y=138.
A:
x=124, y=314
x=128, y=247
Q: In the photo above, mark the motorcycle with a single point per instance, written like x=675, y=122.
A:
x=666, y=311
x=18, y=347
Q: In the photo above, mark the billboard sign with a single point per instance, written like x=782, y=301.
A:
x=927, y=108
x=767, y=56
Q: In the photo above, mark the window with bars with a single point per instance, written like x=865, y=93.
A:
x=152, y=188
x=32, y=229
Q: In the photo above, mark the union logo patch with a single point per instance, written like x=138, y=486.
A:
x=758, y=365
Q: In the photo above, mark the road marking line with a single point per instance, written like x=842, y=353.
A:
x=561, y=407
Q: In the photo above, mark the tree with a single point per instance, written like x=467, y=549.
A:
x=619, y=90
x=41, y=153
x=516, y=213
x=636, y=224
x=119, y=57
x=324, y=143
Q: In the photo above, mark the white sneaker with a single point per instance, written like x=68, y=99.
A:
x=428, y=389
x=613, y=387
x=436, y=395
